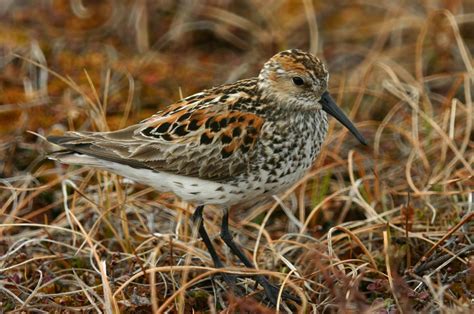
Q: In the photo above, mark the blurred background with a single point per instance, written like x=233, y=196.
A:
x=402, y=70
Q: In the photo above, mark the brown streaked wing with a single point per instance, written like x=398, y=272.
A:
x=200, y=140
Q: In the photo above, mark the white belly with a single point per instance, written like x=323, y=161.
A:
x=189, y=189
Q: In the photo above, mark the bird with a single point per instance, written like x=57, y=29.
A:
x=227, y=145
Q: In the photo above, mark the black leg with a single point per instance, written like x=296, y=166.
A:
x=229, y=240
x=197, y=218
x=271, y=291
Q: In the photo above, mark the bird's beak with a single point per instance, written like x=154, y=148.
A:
x=329, y=105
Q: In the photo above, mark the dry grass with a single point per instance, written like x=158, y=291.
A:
x=387, y=228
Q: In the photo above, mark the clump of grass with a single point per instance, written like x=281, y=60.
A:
x=385, y=228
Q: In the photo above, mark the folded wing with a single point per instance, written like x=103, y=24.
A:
x=201, y=136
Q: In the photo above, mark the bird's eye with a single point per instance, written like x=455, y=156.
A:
x=298, y=81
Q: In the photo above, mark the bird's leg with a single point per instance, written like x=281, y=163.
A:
x=229, y=240
x=271, y=290
x=198, y=219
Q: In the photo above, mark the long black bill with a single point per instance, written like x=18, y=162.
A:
x=329, y=105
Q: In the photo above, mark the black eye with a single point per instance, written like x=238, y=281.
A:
x=297, y=80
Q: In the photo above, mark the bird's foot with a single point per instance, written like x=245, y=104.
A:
x=272, y=291
x=231, y=281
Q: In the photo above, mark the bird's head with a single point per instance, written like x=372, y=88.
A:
x=297, y=80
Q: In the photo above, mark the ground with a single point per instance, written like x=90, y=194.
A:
x=383, y=228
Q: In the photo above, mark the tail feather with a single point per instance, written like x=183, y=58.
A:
x=68, y=157
x=82, y=150
x=60, y=140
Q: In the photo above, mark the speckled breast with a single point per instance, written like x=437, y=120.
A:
x=286, y=151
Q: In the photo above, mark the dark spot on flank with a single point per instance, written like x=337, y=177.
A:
x=251, y=130
x=215, y=126
x=195, y=193
x=224, y=98
x=225, y=154
x=167, y=137
x=232, y=120
x=220, y=189
x=163, y=127
x=208, y=123
x=244, y=148
x=206, y=139
x=241, y=119
x=226, y=139
x=248, y=140
x=251, y=121
x=184, y=116
x=149, y=132
x=193, y=125
x=241, y=101
x=178, y=184
x=223, y=123
x=262, y=110
x=236, y=132
x=181, y=131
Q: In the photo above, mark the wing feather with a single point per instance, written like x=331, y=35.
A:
x=203, y=135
